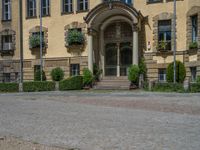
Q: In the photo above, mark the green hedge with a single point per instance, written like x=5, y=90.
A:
x=72, y=83
x=168, y=87
x=38, y=86
x=195, y=87
x=9, y=87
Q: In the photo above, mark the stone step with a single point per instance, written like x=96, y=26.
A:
x=115, y=78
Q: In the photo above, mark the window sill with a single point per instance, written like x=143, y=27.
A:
x=6, y=20
x=33, y=17
x=82, y=11
x=161, y=1
x=66, y=13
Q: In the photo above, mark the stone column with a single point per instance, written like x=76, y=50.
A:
x=90, y=51
x=118, y=60
x=135, y=47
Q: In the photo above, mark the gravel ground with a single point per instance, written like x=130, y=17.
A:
x=101, y=120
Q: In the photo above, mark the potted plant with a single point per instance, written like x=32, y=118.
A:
x=133, y=76
x=34, y=41
x=75, y=37
x=193, y=45
x=87, y=78
x=162, y=45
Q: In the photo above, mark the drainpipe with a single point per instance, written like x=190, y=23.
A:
x=21, y=45
x=174, y=36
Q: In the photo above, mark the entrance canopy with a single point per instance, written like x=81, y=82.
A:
x=110, y=10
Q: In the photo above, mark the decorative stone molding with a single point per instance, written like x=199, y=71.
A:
x=75, y=25
x=36, y=29
x=8, y=32
x=193, y=11
x=162, y=16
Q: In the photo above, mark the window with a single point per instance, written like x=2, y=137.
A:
x=127, y=1
x=82, y=5
x=6, y=77
x=74, y=69
x=193, y=73
x=194, y=28
x=36, y=68
x=31, y=8
x=67, y=6
x=6, y=42
x=164, y=35
x=45, y=8
x=162, y=75
x=6, y=10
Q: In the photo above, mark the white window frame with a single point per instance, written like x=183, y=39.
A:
x=69, y=4
x=8, y=5
x=33, y=9
x=85, y=3
x=46, y=7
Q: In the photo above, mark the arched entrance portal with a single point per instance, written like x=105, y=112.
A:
x=113, y=37
x=118, y=48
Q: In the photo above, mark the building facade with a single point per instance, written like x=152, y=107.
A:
x=111, y=34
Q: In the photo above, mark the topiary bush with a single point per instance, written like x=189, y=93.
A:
x=195, y=87
x=198, y=79
x=57, y=74
x=180, y=72
x=168, y=87
x=38, y=86
x=72, y=83
x=87, y=77
x=37, y=76
x=97, y=72
x=9, y=87
x=143, y=68
x=133, y=74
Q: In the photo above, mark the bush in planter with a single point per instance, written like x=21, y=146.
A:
x=193, y=45
x=180, y=72
x=133, y=74
x=168, y=87
x=87, y=77
x=72, y=83
x=9, y=87
x=195, y=87
x=75, y=37
x=38, y=86
x=198, y=79
x=97, y=72
x=37, y=76
x=34, y=41
x=143, y=68
x=57, y=74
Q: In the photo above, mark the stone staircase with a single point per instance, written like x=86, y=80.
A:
x=113, y=83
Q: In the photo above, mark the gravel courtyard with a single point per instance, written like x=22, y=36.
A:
x=100, y=120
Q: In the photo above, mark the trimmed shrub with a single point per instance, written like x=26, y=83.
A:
x=97, y=72
x=37, y=76
x=87, y=77
x=168, y=87
x=38, y=86
x=195, y=87
x=9, y=87
x=198, y=79
x=57, y=74
x=180, y=72
x=133, y=74
x=72, y=83
x=142, y=66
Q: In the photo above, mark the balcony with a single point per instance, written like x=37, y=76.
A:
x=7, y=49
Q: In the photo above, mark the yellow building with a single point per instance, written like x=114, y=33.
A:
x=112, y=34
